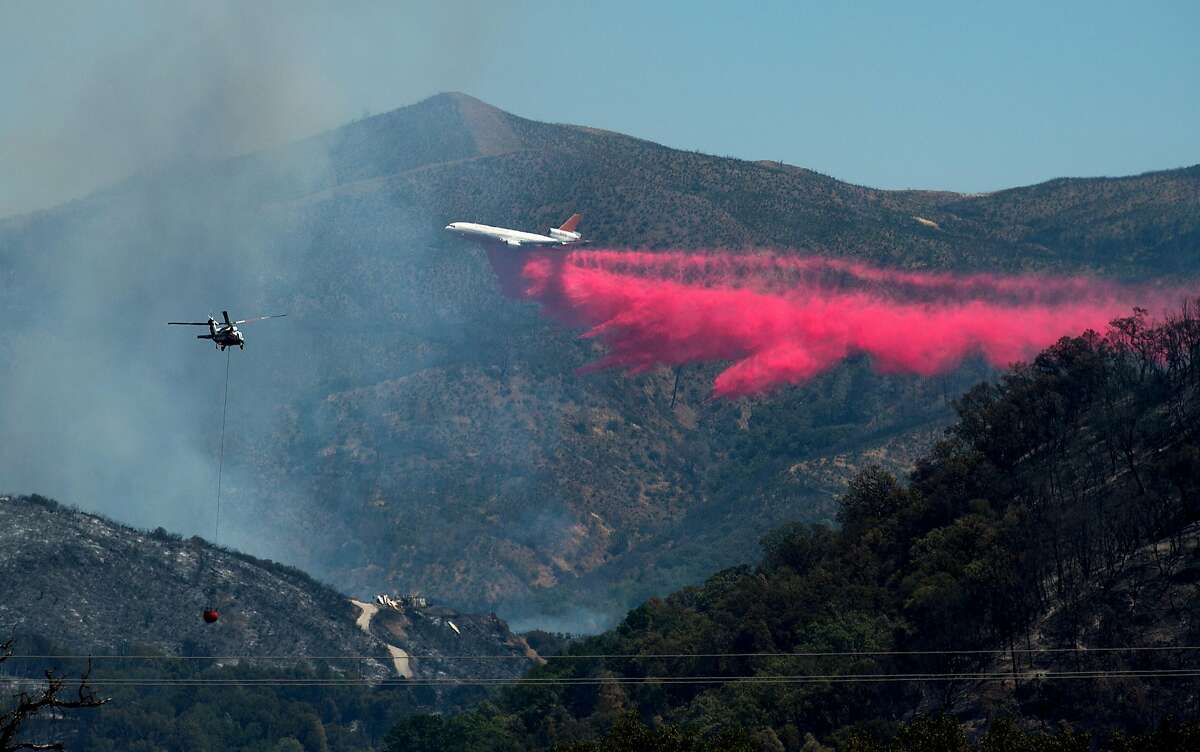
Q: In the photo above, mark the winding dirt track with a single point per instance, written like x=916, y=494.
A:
x=400, y=659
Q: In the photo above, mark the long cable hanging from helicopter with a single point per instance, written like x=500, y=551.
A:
x=224, y=335
x=221, y=452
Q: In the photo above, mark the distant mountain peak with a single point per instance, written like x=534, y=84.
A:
x=459, y=98
x=490, y=126
x=444, y=128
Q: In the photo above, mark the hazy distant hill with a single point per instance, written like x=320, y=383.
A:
x=454, y=156
x=408, y=427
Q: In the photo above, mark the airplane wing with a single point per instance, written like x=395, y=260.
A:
x=260, y=318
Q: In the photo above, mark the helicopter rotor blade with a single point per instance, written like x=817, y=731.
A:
x=260, y=318
x=187, y=323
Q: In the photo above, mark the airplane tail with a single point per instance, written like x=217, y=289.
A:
x=571, y=223
x=566, y=233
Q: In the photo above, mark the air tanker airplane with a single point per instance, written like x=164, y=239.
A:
x=563, y=235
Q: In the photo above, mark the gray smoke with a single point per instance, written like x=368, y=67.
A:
x=102, y=404
x=199, y=81
x=95, y=94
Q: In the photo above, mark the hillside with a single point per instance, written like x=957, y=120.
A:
x=93, y=586
x=1037, y=571
x=419, y=432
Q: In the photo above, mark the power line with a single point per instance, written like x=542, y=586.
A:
x=1185, y=673
x=639, y=656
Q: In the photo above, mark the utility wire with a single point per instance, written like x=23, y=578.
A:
x=637, y=656
x=1002, y=676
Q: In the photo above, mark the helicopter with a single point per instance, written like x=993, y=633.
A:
x=224, y=334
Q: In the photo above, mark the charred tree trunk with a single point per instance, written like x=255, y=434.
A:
x=30, y=705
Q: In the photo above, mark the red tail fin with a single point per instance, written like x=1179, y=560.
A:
x=571, y=224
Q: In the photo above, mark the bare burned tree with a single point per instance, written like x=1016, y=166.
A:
x=48, y=698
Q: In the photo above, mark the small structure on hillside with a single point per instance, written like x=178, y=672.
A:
x=401, y=602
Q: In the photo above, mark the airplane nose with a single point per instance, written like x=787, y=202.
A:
x=449, y=227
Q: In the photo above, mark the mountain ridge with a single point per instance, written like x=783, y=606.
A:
x=447, y=112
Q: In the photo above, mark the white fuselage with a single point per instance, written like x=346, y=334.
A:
x=515, y=238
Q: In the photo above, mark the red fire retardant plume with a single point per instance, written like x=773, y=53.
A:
x=782, y=320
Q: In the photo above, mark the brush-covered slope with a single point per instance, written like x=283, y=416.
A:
x=416, y=430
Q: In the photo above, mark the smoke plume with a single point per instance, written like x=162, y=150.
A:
x=782, y=320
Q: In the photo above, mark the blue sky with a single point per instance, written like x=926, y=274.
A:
x=966, y=96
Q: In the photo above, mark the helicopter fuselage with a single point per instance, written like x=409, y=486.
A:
x=225, y=336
